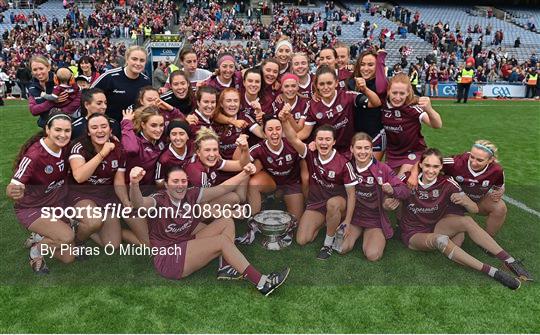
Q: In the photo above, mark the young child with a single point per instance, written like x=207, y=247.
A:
x=64, y=84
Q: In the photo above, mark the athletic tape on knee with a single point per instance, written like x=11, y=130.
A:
x=441, y=241
x=451, y=254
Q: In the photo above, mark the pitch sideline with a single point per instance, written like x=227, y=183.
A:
x=521, y=205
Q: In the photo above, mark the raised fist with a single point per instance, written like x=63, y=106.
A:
x=136, y=174
x=360, y=84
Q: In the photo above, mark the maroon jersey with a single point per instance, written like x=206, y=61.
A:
x=339, y=114
x=236, y=82
x=268, y=95
x=403, y=127
x=203, y=122
x=299, y=108
x=44, y=173
x=246, y=106
x=328, y=177
x=475, y=184
x=100, y=183
x=428, y=204
x=228, y=134
x=170, y=158
x=168, y=116
x=140, y=152
x=283, y=165
x=176, y=223
x=306, y=90
x=73, y=92
x=367, y=194
x=202, y=176
x=343, y=76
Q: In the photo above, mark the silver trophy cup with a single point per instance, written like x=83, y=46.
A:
x=274, y=225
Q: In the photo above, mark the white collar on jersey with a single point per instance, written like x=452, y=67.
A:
x=176, y=155
x=307, y=82
x=284, y=70
x=128, y=77
x=146, y=138
x=202, y=116
x=360, y=170
x=224, y=84
x=329, y=159
x=49, y=150
x=474, y=173
x=331, y=102
x=272, y=151
x=425, y=185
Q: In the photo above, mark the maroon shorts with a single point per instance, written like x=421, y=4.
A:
x=27, y=216
x=75, y=197
x=408, y=232
x=171, y=266
x=359, y=219
x=290, y=189
x=395, y=162
x=318, y=207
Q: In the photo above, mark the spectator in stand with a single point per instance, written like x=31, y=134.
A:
x=24, y=75
x=87, y=68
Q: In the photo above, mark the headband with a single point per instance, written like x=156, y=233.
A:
x=284, y=42
x=178, y=124
x=483, y=147
x=56, y=117
x=225, y=58
x=287, y=76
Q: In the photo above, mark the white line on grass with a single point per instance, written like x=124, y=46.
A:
x=521, y=205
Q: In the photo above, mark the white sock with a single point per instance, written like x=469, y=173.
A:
x=510, y=260
x=328, y=241
x=262, y=281
x=492, y=272
x=35, y=252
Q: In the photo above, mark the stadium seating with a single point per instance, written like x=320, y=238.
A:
x=50, y=9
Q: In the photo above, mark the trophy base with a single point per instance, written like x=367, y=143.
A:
x=276, y=242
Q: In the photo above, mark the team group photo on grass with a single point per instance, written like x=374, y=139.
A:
x=371, y=166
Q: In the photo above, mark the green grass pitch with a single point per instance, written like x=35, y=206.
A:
x=405, y=292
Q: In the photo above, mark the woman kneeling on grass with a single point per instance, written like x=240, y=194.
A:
x=374, y=182
x=430, y=220
x=194, y=243
x=38, y=185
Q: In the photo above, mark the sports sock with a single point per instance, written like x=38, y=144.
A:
x=35, y=251
x=252, y=275
x=489, y=270
x=505, y=257
x=328, y=241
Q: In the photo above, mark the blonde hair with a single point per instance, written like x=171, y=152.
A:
x=40, y=59
x=361, y=136
x=488, y=147
x=403, y=79
x=143, y=114
x=300, y=54
x=205, y=134
x=133, y=48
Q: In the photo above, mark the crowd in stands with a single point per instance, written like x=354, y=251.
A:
x=65, y=40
